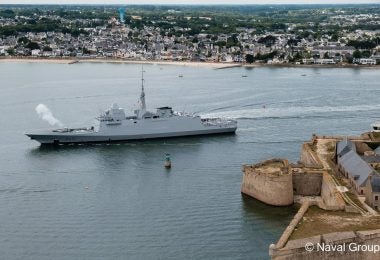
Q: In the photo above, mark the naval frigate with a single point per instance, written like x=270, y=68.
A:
x=114, y=126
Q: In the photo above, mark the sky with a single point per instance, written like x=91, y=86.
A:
x=188, y=1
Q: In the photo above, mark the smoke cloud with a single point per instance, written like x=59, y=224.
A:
x=45, y=113
x=122, y=14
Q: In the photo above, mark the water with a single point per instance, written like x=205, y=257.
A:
x=118, y=201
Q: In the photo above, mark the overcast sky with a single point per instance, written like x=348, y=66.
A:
x=187, y=1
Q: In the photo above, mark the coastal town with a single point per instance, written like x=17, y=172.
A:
x=264, y=142
x=180, y=35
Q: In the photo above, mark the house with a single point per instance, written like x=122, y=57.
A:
x=372, y=159
x=352, y=166
x=36, y=52
x=334, y=50
x=373, y=194
x=307, y=61
x=376, y=58
x=365, y=61
x=324, y=61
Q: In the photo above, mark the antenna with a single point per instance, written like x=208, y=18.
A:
x=142, y=77
x=142, y=96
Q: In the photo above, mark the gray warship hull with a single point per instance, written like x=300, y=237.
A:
x=136, y=129
x=62, y=138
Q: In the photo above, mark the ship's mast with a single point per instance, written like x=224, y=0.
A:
x=142, y=96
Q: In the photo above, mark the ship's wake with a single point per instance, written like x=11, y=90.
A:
x=288, y=112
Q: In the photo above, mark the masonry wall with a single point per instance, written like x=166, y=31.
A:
x=307, y=183
x=332, y=199
x=295, y=249
x=308, y=157
x=270, y=189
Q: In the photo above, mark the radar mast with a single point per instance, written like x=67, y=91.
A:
x=142, y=96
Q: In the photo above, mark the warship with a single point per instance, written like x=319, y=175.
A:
x=114, y=126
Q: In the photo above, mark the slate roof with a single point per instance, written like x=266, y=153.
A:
x=344, y=147
x=354, y=165
x=375, y=183
x=372, y=158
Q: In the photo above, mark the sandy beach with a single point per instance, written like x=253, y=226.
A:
x=215, y=65
x=73, y=61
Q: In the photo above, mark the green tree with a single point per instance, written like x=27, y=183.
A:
x=23, y=40
x=298, y=56
x=249, y=58
x=32, y=46
x=47, y=48
x=11, y=51
x=267, y=40
x=357, y=54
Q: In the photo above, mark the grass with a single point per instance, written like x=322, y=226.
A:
x=317, y=221
x=376, y=135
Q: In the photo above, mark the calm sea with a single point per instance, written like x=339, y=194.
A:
x=117, y=201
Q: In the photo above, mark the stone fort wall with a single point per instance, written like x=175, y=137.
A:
x=272, y=189
x=356, y=245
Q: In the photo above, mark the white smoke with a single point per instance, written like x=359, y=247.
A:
x=45, y=113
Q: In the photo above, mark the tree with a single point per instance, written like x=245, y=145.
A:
x=11, y=51
x=23, y=40
x=249, y=58
x=298, y=56
x=85, y=50
x=47, y=48
x=267, y=40
x=357, y=54
x=32, y=46
x=368, y=44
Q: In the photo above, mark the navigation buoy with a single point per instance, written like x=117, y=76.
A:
x=168, y=163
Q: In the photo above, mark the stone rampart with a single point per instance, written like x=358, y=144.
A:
x=307, y=182
x=269, y=182
x=331, y=197
x=348, y=246
x=309, y=158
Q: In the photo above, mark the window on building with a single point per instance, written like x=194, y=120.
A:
x=376, y=197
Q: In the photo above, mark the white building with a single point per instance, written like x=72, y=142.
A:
x=324, y=61
x=365, y=61
x=36, y=52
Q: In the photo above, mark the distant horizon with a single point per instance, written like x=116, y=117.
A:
x=186, y=2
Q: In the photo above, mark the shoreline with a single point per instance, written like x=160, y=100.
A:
x=215, y=65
